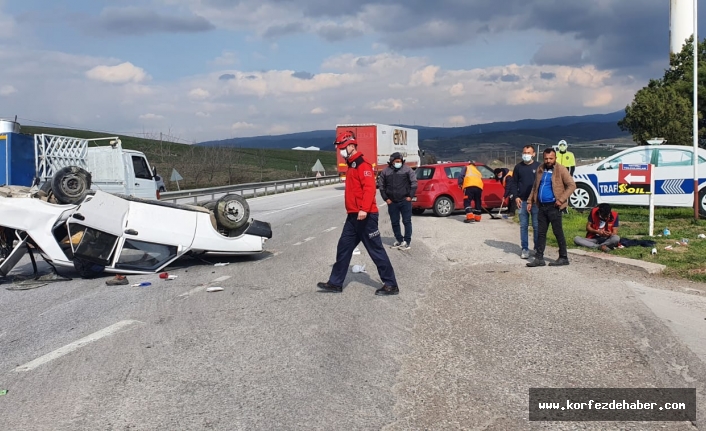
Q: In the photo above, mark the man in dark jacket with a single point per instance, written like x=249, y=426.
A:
x=524, y=175
x=361, y=223
x=398, y=185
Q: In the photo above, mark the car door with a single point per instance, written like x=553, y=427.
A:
x=451, y=175
x=97, y=225
x=155, y=234
x=493, y=190
x=607, y=176
x=674, y=177
x=143, y=184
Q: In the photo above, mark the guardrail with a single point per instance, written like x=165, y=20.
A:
x=246, y=190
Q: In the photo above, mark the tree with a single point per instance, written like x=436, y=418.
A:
x=664, y=108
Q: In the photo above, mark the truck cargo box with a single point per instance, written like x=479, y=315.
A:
x=16, y=159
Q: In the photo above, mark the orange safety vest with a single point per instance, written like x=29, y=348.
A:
x=473, y=177
x=597, y=222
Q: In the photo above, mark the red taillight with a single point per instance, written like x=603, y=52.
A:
x=158, y=195
x=429, y=187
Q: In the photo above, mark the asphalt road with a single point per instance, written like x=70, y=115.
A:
x=471, y=331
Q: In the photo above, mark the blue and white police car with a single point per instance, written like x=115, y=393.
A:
x=673, y=174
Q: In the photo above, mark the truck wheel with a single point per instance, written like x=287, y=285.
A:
x=444, y=206
x=702, y=202
x=232, y=211
x=582, y=197
x=70, y=185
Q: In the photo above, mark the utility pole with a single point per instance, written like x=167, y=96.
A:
x=505, y=158
x=514, y=158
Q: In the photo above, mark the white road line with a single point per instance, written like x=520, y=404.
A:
x=268, y=257
x=330, y=229
x=309, y=239
x=110, y=330
x=285, y=209
x=192, y=291
x=219, y=279
x=298, y=243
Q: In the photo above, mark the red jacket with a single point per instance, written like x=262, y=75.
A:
x=360, y=186
x=596, y=222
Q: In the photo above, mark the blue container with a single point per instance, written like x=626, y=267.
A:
x=16, y=159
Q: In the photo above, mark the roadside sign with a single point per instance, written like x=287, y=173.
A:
x=318, y=167
x=635, y=179
x=175, y=175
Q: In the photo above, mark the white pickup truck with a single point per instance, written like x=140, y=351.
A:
x=67, y=167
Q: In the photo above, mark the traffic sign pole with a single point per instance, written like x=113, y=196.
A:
x=652, y=205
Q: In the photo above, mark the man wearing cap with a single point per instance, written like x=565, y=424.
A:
x=566, y=158
x=361, y=223
x=398, y=185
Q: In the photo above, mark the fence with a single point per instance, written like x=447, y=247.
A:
x=247, y=190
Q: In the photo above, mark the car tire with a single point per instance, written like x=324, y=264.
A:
x=418, y=211
x=232, y=211
x=162, y=190
x=582, y=197
x=443, y=206
x=702, y=202
x=70, y=185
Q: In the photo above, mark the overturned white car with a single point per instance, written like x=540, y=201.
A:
x=120, y=234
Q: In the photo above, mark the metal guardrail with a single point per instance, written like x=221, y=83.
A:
x=246, y=190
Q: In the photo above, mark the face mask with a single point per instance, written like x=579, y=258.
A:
x=562, y=149
x=526, y=158
x=398, y=165
x=344, y=153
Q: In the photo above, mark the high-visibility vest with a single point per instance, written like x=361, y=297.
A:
x=473, y=177
x=566, y=160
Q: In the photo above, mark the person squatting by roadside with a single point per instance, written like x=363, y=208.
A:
x=524, y=175
x=552, y=188
x=601, y=229
x=504, y=177
x=471, y=181
x=398, y=185
x=361, y=223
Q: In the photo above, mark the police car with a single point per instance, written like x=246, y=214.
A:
x=673, y=174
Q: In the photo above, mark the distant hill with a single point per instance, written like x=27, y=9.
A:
x=436, y=139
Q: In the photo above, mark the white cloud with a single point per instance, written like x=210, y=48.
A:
x=317, y=111
x=241, y=125
x=6, y=90
x=203, y=114
x=387, y=105
x=426, y=76
x=120, y=74
x=457, y=90
x=199, y=94
x=227, y=58
x=457, y=120
x=151, y=117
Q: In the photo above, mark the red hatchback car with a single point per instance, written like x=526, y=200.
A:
x=438, y=190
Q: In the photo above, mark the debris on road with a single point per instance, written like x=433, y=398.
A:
x=222, y=264
x=214, y=289
x=3, y=392
x=144, y=283
x=166, y=276
x=118, y=280
x=358, y=268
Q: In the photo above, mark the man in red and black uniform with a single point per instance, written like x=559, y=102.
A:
x=362, y=221
x=601, y=229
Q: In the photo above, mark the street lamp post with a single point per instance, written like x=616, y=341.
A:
x=696, y=115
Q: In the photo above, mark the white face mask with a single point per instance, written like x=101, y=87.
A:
x=526, y=158
x=562, y=148
x=344, y=153
x=398, y=165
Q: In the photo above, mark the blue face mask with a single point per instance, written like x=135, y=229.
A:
x=398, y=165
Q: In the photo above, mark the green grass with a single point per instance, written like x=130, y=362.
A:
x=227, y=165
x=682, y=261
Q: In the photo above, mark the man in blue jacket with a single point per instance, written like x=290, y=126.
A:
x=398, y=185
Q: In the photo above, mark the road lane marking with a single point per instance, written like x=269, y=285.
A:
x=285, y=209
x=219, y=279
x=277, y=253
x=330, y=229
x=110, y=330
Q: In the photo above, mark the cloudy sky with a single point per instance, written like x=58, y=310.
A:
x=215, y=69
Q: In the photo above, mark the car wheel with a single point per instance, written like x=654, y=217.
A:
x=702, y=202
x=443, y=206
x=232, y=211
x=71, y=184
x=162, y=190
x=418, y=211
x=582, y=197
